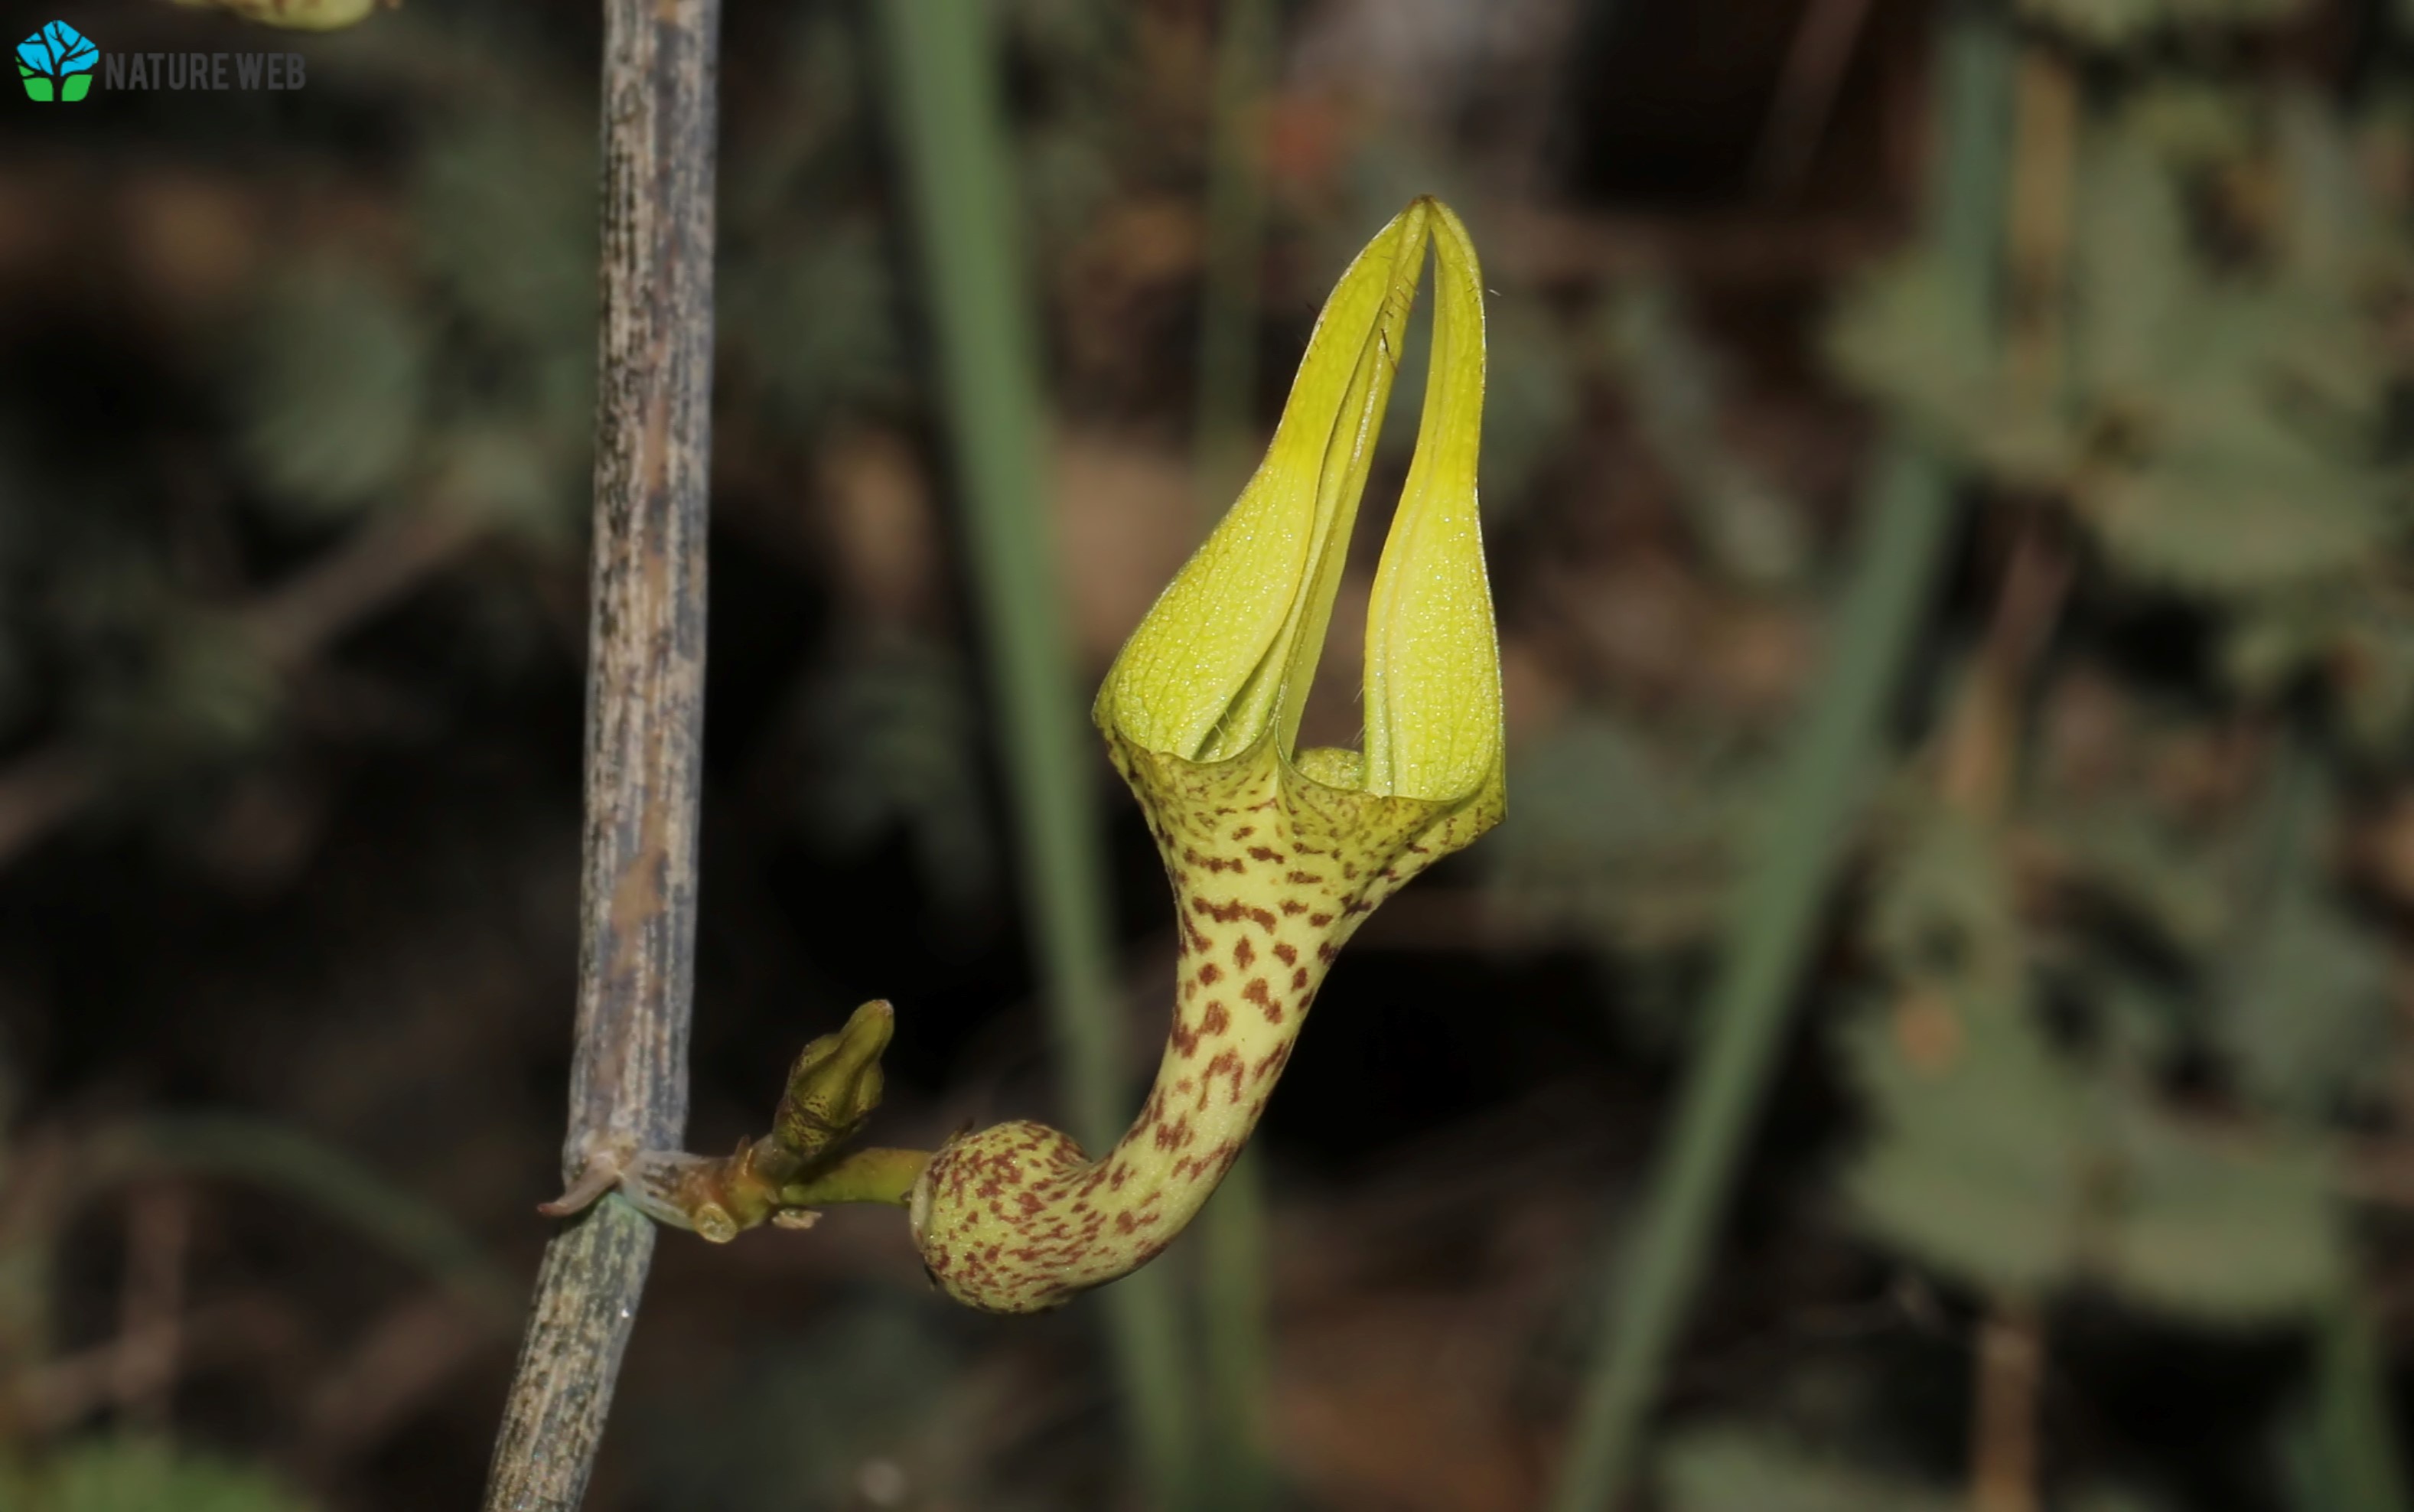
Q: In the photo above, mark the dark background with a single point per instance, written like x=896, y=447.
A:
x=294, y=450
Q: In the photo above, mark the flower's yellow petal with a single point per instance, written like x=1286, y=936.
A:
x=1433, y=657
x=1228, y=648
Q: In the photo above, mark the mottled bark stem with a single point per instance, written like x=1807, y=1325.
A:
x=628, y=1085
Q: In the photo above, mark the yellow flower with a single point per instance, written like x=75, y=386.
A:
x=1275, y=855
x=1227, y=654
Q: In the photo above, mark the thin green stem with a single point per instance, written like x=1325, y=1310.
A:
x=1232, y=1299
x=1774, y=923
x=1236, y=234
x=874, y=1175
x=2355, y=1459
x=276, y=1157
x=942, y=68
x=1233, y=1304
x=1775, y=912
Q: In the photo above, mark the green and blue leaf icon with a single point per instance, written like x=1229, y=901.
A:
x=56, y=63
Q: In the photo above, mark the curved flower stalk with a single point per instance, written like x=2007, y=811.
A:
x=1275, y=855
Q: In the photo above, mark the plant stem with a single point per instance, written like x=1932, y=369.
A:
x=644, y=730
x=1236, y=234
x=1982, y=739
x=272, y=1155
x=1238, y=1346
x=1232, y=1238
x=870, y=1176
x=1775, y=918
x=2355, y=1444
x=942, y=71
x=1774, y=915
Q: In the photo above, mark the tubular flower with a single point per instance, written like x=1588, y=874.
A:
x=1275, y=855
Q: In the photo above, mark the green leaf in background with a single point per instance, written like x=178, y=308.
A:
x=334, y=391
x=2005, y=1167
x=2100, y=23
x=1737, y=1470
x=2373, y=678
x=871, y=1408
x=134, y=1475
x=1942, y=914
x=2270, y=639
x=1532, y=407
x=510, y=476
x=2011, y=1165
x=192, y=685
x=2134, y=283
x=813, y=139
x=2303, y=1007
x=2216, y=1226
x=2116, y=23
x=2219, y=436
x=2360, y=638
x=817, y=328
x=1614, y=840
x=507, y=217
x=2155, y=873
x=2232, y=413
x=213, y=692
x=1903, y=334
x=2194, y=122
x=1974, y=1164
x=2233, y=494
x=2240, y=503
x=2339, y=1448
x=1745, y=523
x=891, y=739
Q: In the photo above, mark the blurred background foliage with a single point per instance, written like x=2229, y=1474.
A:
x=2083, y=1180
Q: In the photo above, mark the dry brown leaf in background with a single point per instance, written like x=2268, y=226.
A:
x=1125, y=286
x=1400, y=1403
x=2386, y=846
x=191, y=244
x=1756, y=657
x=877, y=519
x=1651, y=630
x=2087, y=733
x=1336, y=712
x=264, y=832
x=1127, y=516
x=1409, y=1304
x=393, y=1369
x=32, y=227
x=1533, y=691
